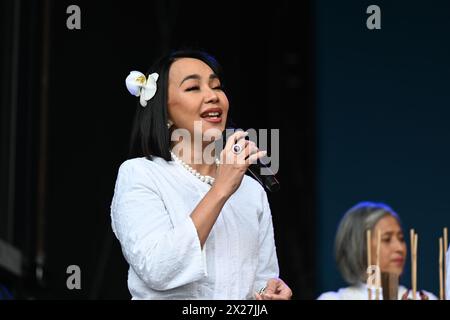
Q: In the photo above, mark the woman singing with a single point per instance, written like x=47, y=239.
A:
x=191, y=224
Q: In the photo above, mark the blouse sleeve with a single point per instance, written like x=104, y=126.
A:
x=267, y=260
x=163, y=255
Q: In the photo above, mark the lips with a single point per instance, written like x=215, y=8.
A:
x=213, y=115
x=398, y=260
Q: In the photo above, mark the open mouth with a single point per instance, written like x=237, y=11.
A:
x=212, y=115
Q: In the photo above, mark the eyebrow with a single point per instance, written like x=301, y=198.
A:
x=197, y=77
x=389, y=233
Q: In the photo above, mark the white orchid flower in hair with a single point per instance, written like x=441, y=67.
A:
x=140, y=86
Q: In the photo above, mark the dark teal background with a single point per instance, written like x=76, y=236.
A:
x=383, y=134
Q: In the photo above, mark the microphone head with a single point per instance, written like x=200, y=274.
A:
x=269, y=182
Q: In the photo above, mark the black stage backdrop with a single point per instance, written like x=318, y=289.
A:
x=66, y=118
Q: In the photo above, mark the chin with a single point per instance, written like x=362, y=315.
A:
x=212, y=132
x=396, y=270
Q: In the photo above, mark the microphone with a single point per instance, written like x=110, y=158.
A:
x=268, y=181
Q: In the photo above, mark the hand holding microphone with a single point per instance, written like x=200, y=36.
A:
x=237, y=155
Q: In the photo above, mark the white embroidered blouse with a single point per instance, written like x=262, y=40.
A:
x=150, y=216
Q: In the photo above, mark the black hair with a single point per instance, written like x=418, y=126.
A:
x=150, y=135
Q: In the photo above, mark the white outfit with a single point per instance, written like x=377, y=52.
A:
x=359, y=292
x=150, y=215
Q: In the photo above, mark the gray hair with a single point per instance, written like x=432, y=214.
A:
x=350, y=242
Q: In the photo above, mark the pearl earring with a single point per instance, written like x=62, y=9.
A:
x=169, y=124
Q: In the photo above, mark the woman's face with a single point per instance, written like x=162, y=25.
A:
x=392, y=246
x=195, y=94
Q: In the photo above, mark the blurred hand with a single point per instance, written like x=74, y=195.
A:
x=422, y=295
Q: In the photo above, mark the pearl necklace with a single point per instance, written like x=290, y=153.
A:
x=208, y=179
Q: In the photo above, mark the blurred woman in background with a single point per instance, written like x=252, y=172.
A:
x=351, y=250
